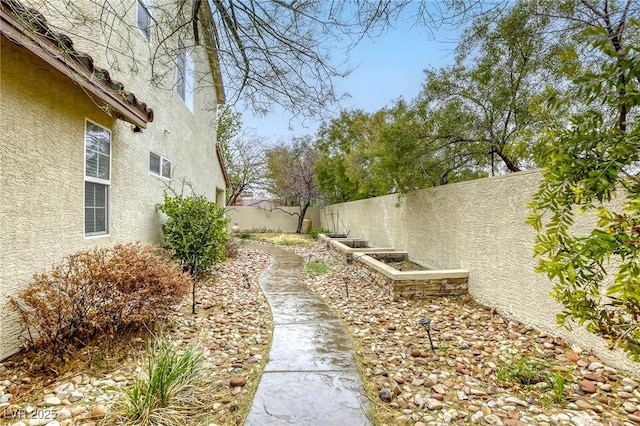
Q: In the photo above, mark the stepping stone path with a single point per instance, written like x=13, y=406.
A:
x=311, y=376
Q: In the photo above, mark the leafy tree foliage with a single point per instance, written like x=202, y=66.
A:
x=501, y=65
x=228, y=125
x=417, y=157
x=589, y=161
x=195, y=230
x=292, y=175
x=348, y=163
x=470, y=119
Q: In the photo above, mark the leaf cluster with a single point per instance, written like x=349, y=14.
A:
x=348, y=166
x=159, y=393
x=195, y=231
x=592, y=165
x=529, y=371
x=470, y=119
x=102, y=291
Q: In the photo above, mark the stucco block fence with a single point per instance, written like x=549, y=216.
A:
x=282, y=219
x=479, y=227
x=395, y=284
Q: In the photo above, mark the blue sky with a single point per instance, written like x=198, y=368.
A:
x=388, y=67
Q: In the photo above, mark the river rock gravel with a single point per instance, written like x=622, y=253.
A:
x=232, y=328
x=407, y=383
x=463, y=380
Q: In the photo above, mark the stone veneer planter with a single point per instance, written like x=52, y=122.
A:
x=328, y=239
x=413, y=284
x=400, y=284
x=347, y=248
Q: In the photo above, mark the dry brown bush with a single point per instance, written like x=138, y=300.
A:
x=101, y=291
x=231, y=249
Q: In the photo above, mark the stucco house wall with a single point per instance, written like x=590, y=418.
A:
x=479, y=226
x=42, y=154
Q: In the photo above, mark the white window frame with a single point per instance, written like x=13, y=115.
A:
x=100, y=181
x=144, y=6
x=162, y=162
x=185, y=76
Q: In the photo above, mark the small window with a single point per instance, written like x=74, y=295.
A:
x=185, y=76
x=96, y=209
x=144, y=17
x=159, y=165
x=154, y=163
x=97, y=179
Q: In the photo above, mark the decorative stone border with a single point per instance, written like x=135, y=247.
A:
x=413, y=284
x=349, y=252
x=400, y=284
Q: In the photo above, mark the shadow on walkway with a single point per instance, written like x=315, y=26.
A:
x=311, y=376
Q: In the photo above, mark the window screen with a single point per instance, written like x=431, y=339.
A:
x=97, y=177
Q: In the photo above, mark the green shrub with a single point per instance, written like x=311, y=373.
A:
x=160, y=392
x=316, y=267
x=316, y=231
x=526, y=371
x=98, y=292
x=195, y=231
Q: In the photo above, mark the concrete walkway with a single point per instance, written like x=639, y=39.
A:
x=311, y=376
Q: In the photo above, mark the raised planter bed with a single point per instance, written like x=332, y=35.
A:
x=398, y=260
x=413, y=284
x=337, y=235
x=413, y=281
x=352, y=248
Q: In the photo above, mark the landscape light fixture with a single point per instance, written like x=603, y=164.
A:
x=346, y=284
x=427, y=325
x=246, y=279
x=309, y=260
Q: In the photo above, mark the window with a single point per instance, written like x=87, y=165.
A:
x=97, y=179
x=185, y=76
x=159, y=165
x=144, y=17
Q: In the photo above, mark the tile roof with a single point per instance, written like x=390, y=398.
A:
x=28, y=28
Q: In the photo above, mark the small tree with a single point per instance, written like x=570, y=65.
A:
x=246, y=164
x=196, y=231
x=292, y=175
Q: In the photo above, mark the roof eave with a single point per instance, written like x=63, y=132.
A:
x=113, y=102
x=223, y=166
x=206, y=15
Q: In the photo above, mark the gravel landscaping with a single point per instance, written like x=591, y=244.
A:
x=232, y=328
x=485, y=370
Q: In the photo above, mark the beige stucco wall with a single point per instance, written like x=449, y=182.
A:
x=42, y=122
x=479, y=226
x=279, y=220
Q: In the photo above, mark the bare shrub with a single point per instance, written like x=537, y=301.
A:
x=98, y=292
x=231, y=249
